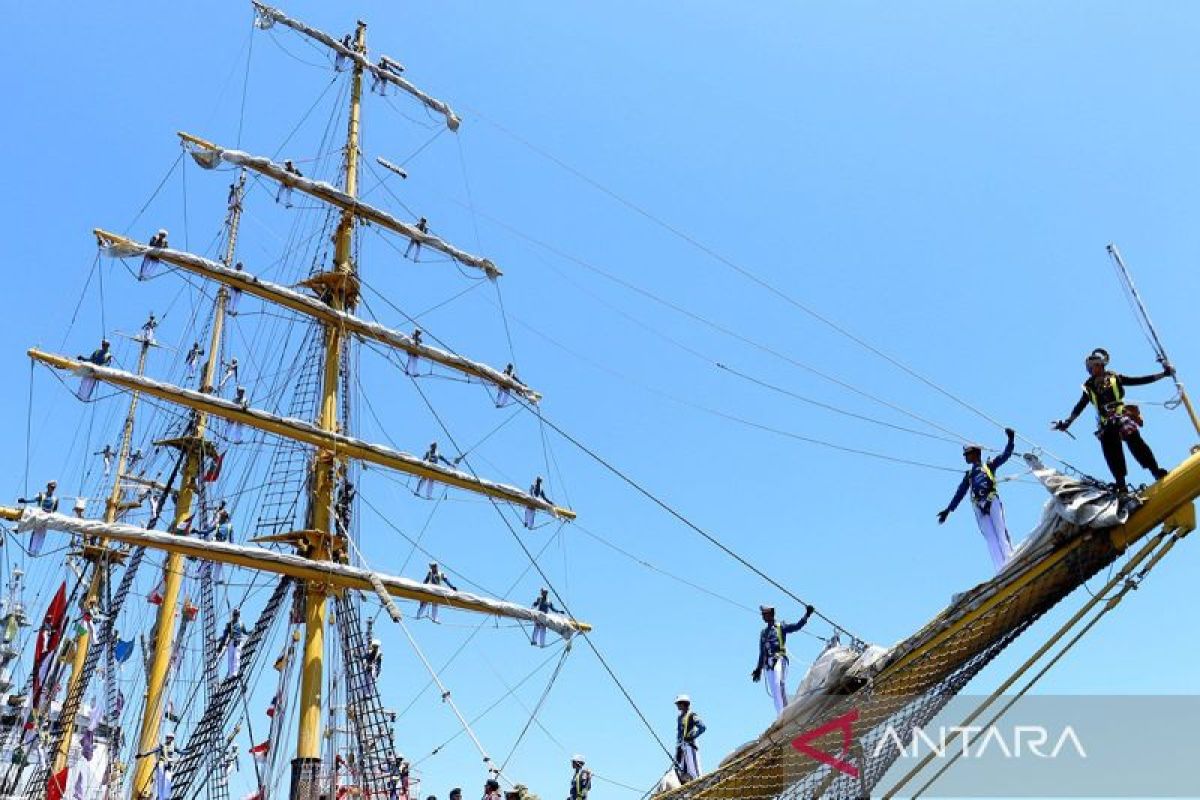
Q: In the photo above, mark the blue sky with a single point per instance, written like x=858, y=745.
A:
x=939, y=178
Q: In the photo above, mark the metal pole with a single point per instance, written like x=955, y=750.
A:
x=1155, y=341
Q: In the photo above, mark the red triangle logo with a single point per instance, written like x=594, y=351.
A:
x=845, y=724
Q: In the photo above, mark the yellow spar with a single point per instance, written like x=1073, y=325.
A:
x=311, y=307
x=329, y=575
x=298, y=430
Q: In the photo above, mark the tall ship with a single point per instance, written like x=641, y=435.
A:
x=213, y=599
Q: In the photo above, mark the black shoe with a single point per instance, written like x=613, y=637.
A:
x=1121, y=487
x=1159, y=473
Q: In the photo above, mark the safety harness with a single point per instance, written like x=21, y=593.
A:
x=1107, y=410
x=685, y=727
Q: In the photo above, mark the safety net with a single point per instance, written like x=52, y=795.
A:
x=827, y=742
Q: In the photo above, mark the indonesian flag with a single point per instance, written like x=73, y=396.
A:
x=214, y=469
x=56, y=787
x=260, y=751
x=155, y=598
x=189, y=610
x=48, y=638
x=256, y=795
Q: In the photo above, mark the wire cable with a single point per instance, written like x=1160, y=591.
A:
x=679, y=516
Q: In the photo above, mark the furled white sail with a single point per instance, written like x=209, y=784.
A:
x=119, y=247
x=290, y=564
x=208, y=155
x=268, y=16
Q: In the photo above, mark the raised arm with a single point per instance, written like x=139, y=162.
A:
x=795, y=626
x=1142, y=380
x=1005, y=454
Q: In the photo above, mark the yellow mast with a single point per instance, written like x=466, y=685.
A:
x=97, y=555
x=341, y=295
x=193, y=444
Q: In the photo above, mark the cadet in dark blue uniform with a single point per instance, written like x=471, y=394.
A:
x=772, y=654
x=542, y=603
x=980, y=480
x=688, y=728
x=581, y=779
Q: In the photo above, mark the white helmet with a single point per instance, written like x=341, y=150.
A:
x=576, y=759
x=375, y=643
x=683, y=698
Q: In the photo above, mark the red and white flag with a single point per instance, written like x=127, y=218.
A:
x=260, y=751
x=48, y=638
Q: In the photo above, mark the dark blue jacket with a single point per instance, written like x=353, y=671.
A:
x=978, y=482
x=772, y=642
x=689, y=727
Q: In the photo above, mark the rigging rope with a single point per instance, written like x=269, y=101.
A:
x=756, y=279
x=28, y=430
x=1130, y=584
x=154, y=194
x=537, y=708
x=679, y=516
x=509, y=692
x=245, y=86
x=696, y=317
x=487, y=759
x=548, y=583
x=828, y=407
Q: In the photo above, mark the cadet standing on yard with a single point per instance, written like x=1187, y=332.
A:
x=1116, y=421
x=980, y=480
x=434, y=577
x=542, y=603
x=772, y=654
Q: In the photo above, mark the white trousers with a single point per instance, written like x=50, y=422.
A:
x=233, y=658
x=428, y=610
x=162, y=782
x=995, y=532
x=149, y=268
x=539, y=635
x=689, y=762
x=37, y=538
x=776, y=678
